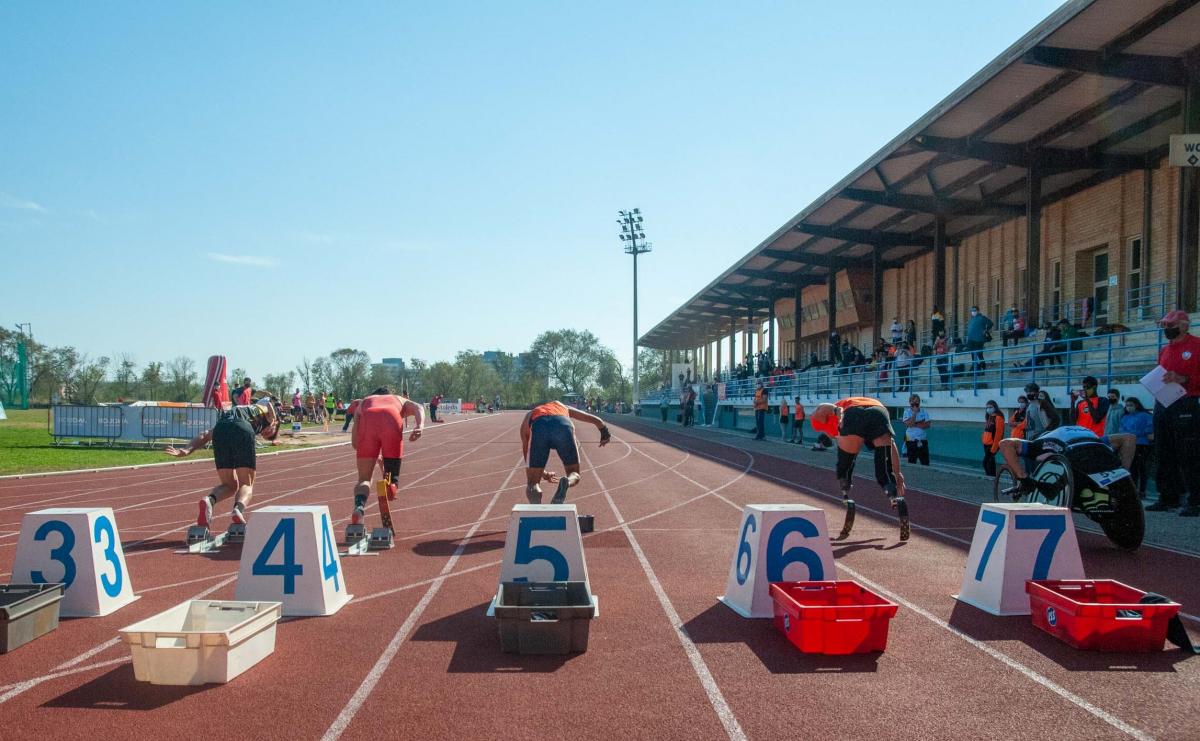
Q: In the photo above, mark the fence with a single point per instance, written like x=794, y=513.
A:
x=128, y=424
x=1114, y=358
x=14, y=379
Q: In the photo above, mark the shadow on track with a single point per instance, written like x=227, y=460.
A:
x=448, y=547
x=477, y=649
x=118, y=690
x=719, y=624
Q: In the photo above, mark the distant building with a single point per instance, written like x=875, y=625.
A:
x=397, y=363
x=492, y=357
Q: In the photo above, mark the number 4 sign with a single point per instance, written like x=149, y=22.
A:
x=80, y=547
x=1012, y=543
x=290, y=556
x=776, y=542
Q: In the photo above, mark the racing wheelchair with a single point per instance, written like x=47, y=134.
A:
x=1086, y=477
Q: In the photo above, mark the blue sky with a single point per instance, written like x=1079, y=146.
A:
x=270, y=180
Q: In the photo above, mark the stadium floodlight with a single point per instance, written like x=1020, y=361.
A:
x=631, y=233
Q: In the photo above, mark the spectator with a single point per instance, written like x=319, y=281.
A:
x=244, y=396
x=835, y=347
x=350, y=412
x=663, y=407
x=760, y=412
x=903, y=363
x=937, y=322
x=941, y=349
x=993, y=433
x=785, y=419
x=1112, y=421
x=1088, y=409
x=330, y=408
x=910, y=333
x=1136, y=421
x=297, y=408
x=689, y=406
x=1016, y=422
x=1016, y=328
x=916, y=437
x=434, y=403
x=798, y=422
x=1040, y=416
x=897, y=331
x=321, y=411
x=1177, y=427
x=310, y=407
x=978, y=333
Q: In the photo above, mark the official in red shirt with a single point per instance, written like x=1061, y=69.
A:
x=1177, y=427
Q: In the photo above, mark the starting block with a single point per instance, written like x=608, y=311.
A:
x=543, y=544
x=290, y=557
x=80, y=548
x=236, y=533
x=761, y=556
x=1014, y=542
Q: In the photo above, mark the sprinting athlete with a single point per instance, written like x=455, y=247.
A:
x=549, y=426
x=857, y=422
x=1058, y=440
x=379, y=431
x=232, y=439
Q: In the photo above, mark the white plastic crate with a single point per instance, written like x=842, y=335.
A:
x=202, y=641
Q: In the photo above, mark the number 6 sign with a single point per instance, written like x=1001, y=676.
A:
x=776, y=542
x=1012, y=543
x=80, y=547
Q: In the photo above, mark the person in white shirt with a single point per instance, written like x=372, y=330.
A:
x=916, y=436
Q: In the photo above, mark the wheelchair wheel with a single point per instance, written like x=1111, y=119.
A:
x=1056, y=484
x=1004, y=481
x=1126, y=525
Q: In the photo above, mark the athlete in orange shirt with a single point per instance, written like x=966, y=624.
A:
x=379, y=432
x=859, y=422
x=549, y=426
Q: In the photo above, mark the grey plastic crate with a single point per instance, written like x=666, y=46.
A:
x=544, y=617
x=27, y=611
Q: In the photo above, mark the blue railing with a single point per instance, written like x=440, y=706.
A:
x=1113, y=358
x=1148, y=303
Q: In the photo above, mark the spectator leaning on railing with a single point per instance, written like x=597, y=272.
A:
x=1177, y=427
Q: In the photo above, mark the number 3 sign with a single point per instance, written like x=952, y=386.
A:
x=81, y=548
x=776, y=542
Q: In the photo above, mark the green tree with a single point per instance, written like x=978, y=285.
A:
x=349, y=371
x=570, y=357
x=125, y=377
x=650, y=368
x=85, y=385
x=305, y=372
x=442, y=378
x=152, y=380
x=181, y=379
x=280, y=384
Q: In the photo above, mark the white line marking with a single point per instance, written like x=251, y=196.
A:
x=724, y=713
x=364, y=690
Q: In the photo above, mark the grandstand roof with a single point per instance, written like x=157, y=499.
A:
x=1094, y=90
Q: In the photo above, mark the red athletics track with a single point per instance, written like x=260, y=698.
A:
x=413, y=656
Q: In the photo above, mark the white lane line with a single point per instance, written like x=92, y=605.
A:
x=733, y=728
x=18, y=687
x=356, y=701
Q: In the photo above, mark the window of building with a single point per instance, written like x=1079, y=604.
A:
x=1136, y=288
x=1100, y=286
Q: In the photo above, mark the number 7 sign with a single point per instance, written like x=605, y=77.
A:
x=1012, y=543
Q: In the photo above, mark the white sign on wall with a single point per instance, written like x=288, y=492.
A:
x=1185, y=150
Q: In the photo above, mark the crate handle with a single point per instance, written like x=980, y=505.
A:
x=848, y=620
x=231, y=608
x=1130, y=615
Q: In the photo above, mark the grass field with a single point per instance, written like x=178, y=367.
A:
x=26, y=447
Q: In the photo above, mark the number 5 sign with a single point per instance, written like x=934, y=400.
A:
x=543, y=544
x=1012, y=543
x=289, y=556
x=80, y=547
x=776, y=542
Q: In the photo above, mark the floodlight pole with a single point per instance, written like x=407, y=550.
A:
x=630, y=222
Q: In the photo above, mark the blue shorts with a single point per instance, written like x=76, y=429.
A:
x=555, y=432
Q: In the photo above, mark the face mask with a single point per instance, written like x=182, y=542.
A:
x=1170, y=332
x=1089, y=392
x=1130, y=409
x=991, y=410
x=974, y=313
x=1112, y=401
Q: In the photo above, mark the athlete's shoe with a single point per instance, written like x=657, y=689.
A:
x=238, y=517
x=205, y=518
x=560, y=494
x=391, y=495
x=358, y=516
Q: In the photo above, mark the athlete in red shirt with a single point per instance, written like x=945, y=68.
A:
x=379, y=432
x=549, y=426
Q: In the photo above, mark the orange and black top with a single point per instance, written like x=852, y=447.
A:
x=861, y=416
x=549, y=409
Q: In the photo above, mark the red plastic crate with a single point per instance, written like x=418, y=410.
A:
x=831, y=617
x=1099, y=614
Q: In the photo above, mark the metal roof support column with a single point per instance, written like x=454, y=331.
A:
x=953, y=326
x=771, y=344
x=939, y=262
x=750, y=334
x=1189, y=201
x=1033, y=241
x=832, y=283
x=877, y=295
x=1147, y=219
x=732, y=336
x=797, y=318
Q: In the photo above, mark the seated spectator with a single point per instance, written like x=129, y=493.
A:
x=1016, y=328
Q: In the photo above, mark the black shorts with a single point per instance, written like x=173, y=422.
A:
x=553, y=432
x=233, y=443
x=867, y=423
